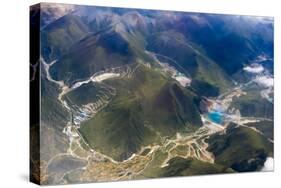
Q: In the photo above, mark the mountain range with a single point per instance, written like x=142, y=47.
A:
x=126, y=93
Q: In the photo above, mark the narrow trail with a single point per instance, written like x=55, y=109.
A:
x=71, y=130
x=103, y=167
x=225, y=99
x=154, y=55
x=75, y=138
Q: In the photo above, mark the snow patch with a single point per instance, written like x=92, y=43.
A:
x=55, y=11
x=180, y=77
x=268, y=165
x=78, y=84
x=264, y=81
x=183, y=80
x=104, y=76
x=254, y=68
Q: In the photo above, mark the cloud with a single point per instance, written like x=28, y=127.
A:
x=57, y=10
x=264, y=81
x=254, y=68
x=53, y=11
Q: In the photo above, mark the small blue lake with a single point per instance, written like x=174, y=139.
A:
x=216, y=117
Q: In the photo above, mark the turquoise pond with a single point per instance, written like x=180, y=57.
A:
x=216, y=117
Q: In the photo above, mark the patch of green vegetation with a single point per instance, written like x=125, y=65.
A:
x=205, y=88
x=152, y=170
x=166, y=42
x=241, y=149
x=253, y=105
x=118, y=130
x=185, y=167
x=52, y=111
x=53, y=119
x=266, y=127
x=180, y=150
x=181, y=167
x=148, y=96
x=86, y=93
x=92, y=54
x=58, y=37
x=208, y=78
x=97, y=52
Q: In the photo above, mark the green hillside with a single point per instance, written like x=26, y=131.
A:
x=248, y=153
x=146, y=106
x=266, y=127
x=53, y=119
x=252, y=104
x=180, y=167
x=145, y=88
x=208, y=78
x=87, y=93
x=96, y=52
x=58, y=36
x=186, y=167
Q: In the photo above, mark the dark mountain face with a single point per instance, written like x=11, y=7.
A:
x=53, y=120
x=164, y=43
x=59, y=35
x=227, y=149
x=114, y=46
x=231, y=41
x=191, y=60
x=94, y=53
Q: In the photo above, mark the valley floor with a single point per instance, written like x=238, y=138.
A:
x=100, y=167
